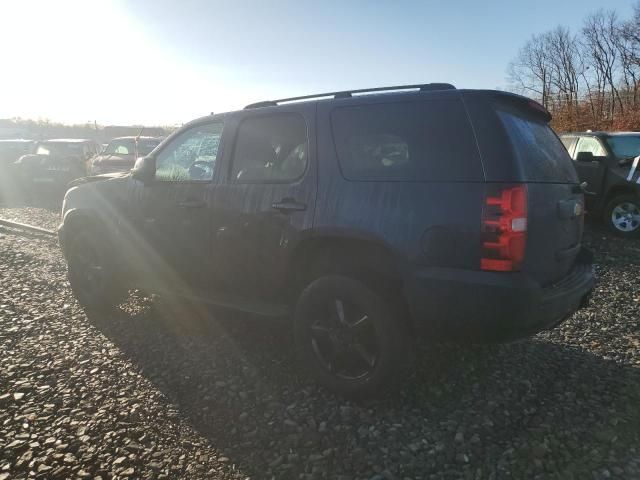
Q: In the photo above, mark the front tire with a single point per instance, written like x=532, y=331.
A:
x=622, y=215
x=351, y=340
x=91, y=271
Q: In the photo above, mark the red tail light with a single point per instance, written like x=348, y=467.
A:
x=504, y=228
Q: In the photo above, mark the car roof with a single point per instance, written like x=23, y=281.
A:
x=602, y=134
x=355, y=97
x=68, y=140
x=134, y=137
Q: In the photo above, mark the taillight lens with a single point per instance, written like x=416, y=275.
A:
x=504, y=228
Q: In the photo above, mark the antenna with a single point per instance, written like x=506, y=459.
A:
x=135, y=142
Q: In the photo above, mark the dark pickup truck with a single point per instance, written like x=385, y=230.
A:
x=609, y=165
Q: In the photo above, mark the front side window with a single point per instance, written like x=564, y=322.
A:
x=190, y=156
x=625, y=146
x=590, y=144
x=270, y=149
x=412, y=141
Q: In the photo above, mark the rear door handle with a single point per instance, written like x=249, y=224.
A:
x=289, y=205
x=192, y=203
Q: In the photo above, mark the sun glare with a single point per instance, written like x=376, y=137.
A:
x=75, y=61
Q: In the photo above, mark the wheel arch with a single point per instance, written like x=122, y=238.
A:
x=73, y=221
x=619, y=190
x=370, y=260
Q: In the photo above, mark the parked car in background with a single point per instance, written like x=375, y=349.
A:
x=370, y=216
x=55, y=163
x=120, y=154
x=10, y=151
x=605, y=161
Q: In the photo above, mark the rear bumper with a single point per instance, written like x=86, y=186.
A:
x=487, y=306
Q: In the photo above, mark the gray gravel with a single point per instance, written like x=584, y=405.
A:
x=157, y=391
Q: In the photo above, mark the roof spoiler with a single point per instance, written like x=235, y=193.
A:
x=525, y=102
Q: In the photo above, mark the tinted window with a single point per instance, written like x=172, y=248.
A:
x=127, y=146
x=625, y=146
x=540, y=153
x=425, y=141
x=270, y=149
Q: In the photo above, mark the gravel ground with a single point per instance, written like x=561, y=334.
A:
x=156, y=391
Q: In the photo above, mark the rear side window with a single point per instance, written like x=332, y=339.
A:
x=270, y=149
x=540, y=153
x=418, y=141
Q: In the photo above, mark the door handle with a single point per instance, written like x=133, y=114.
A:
x=192, y=203
x=289, y=205
x=582, y=188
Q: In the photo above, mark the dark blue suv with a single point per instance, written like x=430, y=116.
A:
x=369, y=217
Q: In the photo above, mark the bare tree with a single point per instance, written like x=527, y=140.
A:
x=600, y=46
x=628, y=44
x=530, y=72
x=566, y=66
x=596, y=71
x=631, y=28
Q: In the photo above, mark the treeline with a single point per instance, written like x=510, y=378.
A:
x=43, y=129
x=588, y=79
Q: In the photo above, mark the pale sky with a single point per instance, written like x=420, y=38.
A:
x=167, y=62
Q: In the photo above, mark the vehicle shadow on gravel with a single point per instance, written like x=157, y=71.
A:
x=531, y=406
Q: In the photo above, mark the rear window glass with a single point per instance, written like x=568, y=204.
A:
x=540, y=153
x=420, y=141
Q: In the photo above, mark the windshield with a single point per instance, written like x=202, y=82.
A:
x=625, y=146
x=59, y=149
x=127, y=146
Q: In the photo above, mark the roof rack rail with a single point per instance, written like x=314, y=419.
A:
x=425, y=87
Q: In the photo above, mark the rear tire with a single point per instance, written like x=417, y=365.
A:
x=92, y=272
x=350, y=339
x=622, y=215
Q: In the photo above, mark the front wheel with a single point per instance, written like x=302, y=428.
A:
x=351, y=340
x=622, y=215
x=91, y=271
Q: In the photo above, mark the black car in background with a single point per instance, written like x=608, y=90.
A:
x=606, y=161
x=121, y=153
x=55, y=163
x=10, y=151
x=371, y=218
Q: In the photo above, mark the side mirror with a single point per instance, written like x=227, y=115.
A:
x=144, y=169
x=585, y=157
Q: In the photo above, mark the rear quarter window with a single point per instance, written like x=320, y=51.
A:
x=540, y=154
x=411, y=141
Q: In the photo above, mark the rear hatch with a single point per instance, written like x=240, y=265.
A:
x=537, y=158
